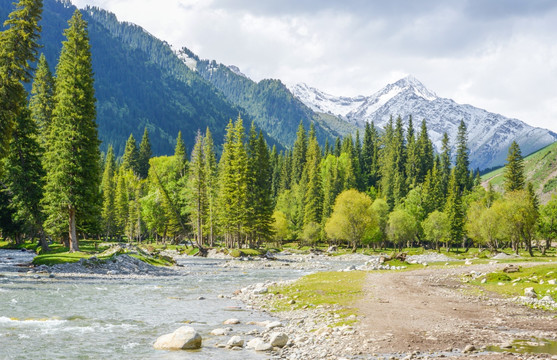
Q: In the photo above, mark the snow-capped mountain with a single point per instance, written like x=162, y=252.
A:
x=489, y=134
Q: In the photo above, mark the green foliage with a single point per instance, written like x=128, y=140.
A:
x=353, y=218
x=514, y=169
x=41, y=102
x=71, y=160
x=144, y=155
x=401, y=227
x=437, y=228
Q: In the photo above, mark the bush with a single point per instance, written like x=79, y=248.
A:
x=497, y=277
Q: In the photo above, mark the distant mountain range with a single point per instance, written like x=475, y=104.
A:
x=140, y=81
x=489, y=134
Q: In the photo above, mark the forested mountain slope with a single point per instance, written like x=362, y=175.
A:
x=540, y=168
x=139, y=82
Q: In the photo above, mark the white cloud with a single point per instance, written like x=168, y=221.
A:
x=498, y=55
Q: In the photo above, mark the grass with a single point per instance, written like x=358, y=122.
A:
x=335, y=289
x=513, y=284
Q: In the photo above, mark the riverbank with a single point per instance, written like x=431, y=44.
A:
x=425, y=313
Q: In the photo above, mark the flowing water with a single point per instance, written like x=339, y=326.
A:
x=107, y=318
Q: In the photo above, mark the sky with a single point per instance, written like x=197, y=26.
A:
x=499, y=55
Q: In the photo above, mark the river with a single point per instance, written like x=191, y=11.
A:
x=107, y=318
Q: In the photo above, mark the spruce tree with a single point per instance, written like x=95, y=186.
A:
x=24, y=176
x=212, y=184
x=412, y=156
x=314, y=190
x=130, y=160
x=198, y=187
x=263, y=206
x=72, y=158
x=18, y=50
x=454, y=210
x=41, y=102
x=462, y=161
x=299, y=154
x=109, y=194
x=424, y=154
x=144, y=155
x=121, y=202
x=181, y=155
x=514, y=169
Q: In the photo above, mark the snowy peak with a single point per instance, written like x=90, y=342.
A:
x=489, y=134
x=322, y=102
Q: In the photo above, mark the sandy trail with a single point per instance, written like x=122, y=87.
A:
x=432, y=310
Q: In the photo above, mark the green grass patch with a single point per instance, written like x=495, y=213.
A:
x=59, y=258
x=339, y=290
x=513, y=284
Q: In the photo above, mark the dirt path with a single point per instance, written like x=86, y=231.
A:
x=432, y=310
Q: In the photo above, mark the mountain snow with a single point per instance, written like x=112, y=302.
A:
x=489, y=134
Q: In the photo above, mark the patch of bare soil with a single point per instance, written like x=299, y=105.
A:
x=432, y=310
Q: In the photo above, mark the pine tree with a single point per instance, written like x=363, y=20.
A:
x=314, y=190
x=144, y=155
x=109, y=194
x=400, y=187
x=514, y=169
x=121, y=202
x=263, y=205
x=299, y=154
x=181, y=155
x=130, y=160
x=445, y=162
x=424, y=154
x=462, y=162
x=212, y=185
x=24, y=176
x=412, y=156
x=72, y=159
x=41, y=102
x=198, y=185
x=18, y=50
x=453, y=209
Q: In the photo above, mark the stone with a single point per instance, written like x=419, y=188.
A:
x=260, y=290
x=469, y=348
x=468, y=262
x=530, y=292
x=219, y=332
x=274, y=324
x=184, y=338
x=547, y=299
x=552, y=282
x=235, y=341
x=332, y=249
x=511, y=268
x=231, y=322
x=263, y=346
x=201, y=298
x=278, y=339
x=253, y=343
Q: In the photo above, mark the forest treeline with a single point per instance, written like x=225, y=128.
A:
x=387, y=188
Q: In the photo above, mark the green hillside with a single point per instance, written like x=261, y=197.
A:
x=540, y=168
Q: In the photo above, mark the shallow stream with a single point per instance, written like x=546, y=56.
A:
x=107, y=318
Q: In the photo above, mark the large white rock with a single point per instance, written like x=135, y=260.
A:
x=218, y=332
x=184, y=338
x=278, y=339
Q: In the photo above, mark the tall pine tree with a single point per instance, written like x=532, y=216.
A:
x=462, y=161
x=144, y=155
x=41, y=102
x=72, y=159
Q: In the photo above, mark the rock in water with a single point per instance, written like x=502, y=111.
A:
x=231, y=322
x=184, y=338
x=279, y=339
x=235, y=341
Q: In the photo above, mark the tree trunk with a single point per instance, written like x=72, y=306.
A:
x=42, y=240
x=73, y=234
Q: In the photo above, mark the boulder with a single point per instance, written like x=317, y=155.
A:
x=274, y=324
x=254, y=342
x=469, y=348
x=547, y=299
x=332, y=249
x=278, y=339
x=184, y=338
x=260, y=290
x=231, y=322
x=235, y=341
x=218, y=332
x=263, y=346
x=552, y=282
x=511, y=268
x=530, y=292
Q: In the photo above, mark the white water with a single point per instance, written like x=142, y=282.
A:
x=102, y=318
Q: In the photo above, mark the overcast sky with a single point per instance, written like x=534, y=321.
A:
x=500, y=55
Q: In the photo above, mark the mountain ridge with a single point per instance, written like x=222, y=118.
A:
x=489, y=134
